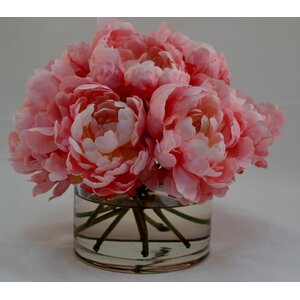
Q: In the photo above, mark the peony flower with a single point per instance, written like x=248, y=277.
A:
x=260, y=125
x=108, y=150
x=114, y=46
x=205, y=135
x=200, y=59
x=120, y=35
x=39, y=143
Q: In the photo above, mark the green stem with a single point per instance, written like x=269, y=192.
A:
x=158, y=226
x=171, y=227
x=139, y=202
x=96, y=212
x=84, y=214
x=99, y=210
x=109, y=229
x=187, y=217
x=142, y=227
x=97, y=220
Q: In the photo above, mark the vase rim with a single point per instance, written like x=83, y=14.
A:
x=159, y=199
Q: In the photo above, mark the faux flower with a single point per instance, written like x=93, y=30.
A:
x=200, y=59
x=207, y=134
x=39, y=142
x=107, y=147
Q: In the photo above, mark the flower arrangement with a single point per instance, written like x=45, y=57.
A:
x=130, y=109
x=128, y=113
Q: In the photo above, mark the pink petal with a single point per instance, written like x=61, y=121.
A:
x=125, y=125
x=56, y=166
x=136, y=104
x=106, y=67
x=157, y=109
x=60, y=188
x=61, y=69
x=140, y=163
x=186, y=183
x=41, y=89
x=42, y=187
x=40, y=140
x=243, y=151
x=107, y=143
x=163, y=149
x=185, y=129
x=81, y=120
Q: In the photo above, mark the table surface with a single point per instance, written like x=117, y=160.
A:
x=255, y=229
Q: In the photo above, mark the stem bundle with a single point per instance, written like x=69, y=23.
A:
x=104, y=212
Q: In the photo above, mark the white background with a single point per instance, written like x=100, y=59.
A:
x=256, y=227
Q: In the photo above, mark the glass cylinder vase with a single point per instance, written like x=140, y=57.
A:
x=148, y=233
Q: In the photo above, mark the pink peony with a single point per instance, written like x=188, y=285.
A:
x=108, y=150
x=39, y=143
x=200, y=59
x=207, y=134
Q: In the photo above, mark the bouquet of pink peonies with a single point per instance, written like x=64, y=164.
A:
x=130, y=110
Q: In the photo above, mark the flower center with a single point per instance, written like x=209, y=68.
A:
x=159, y=57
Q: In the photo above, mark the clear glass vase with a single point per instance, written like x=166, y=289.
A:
x=151, y=233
